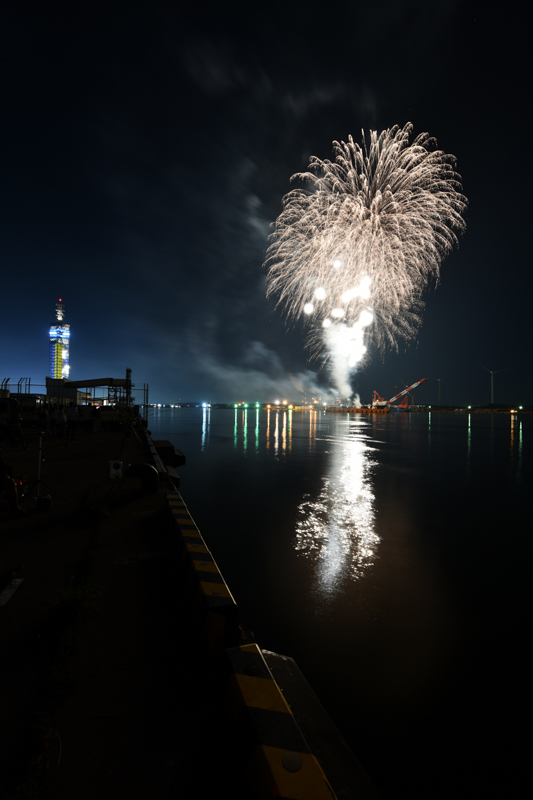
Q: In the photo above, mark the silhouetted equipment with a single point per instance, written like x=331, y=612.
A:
x=379, y=402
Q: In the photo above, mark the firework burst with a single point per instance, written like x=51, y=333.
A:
x=353, y=251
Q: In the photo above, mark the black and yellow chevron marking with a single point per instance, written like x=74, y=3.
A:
x=215, y=596
x=277, y=754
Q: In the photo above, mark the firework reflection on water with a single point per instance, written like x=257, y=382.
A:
x=336, y=529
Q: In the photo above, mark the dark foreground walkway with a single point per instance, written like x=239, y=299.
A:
x=106, y=689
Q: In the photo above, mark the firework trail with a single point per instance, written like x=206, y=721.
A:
x=353, y=253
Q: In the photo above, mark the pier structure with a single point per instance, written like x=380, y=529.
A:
x=127, y=672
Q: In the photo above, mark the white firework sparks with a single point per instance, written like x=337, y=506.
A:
x=353, y=253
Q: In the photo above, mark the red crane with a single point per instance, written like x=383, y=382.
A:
x=379, y=402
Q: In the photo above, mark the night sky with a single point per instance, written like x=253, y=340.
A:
x=146, y=151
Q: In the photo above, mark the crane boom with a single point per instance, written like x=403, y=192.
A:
x=379, y=402
x=406, y=391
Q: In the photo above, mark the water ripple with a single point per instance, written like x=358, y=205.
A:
x=336, y=529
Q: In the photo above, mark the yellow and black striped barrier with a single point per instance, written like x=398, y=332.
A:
x=216, y=601
x=279, y=761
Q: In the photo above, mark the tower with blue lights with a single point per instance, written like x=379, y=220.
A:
x=59, y=345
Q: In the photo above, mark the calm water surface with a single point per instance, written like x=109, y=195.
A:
x=389, y=556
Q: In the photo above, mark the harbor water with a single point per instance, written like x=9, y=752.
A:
x=388, y=555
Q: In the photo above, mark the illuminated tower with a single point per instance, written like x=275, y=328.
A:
x=59, y=345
